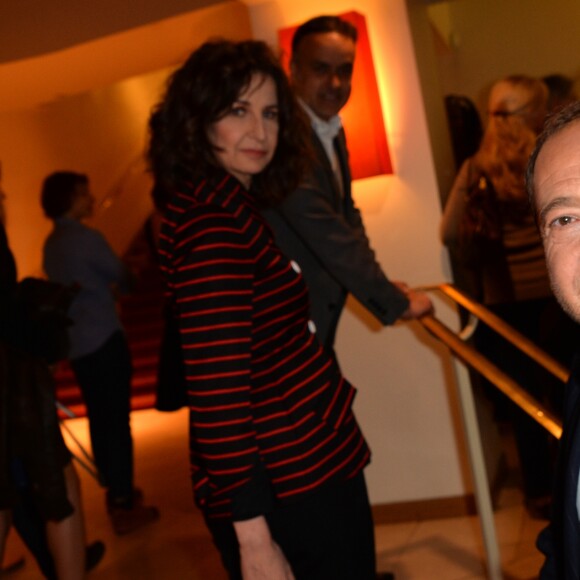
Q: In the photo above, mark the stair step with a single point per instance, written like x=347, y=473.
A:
x=138, y=402
x=144, y=328
x=139, y=381
x=143, y=363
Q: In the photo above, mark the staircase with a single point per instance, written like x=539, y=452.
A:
x=141, y=315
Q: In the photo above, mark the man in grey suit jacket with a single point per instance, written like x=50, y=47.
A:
x=318, y=225
x=553, y=181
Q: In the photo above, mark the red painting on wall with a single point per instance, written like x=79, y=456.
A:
x=362, y=116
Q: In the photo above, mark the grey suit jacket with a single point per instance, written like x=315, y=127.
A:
x=322, y=230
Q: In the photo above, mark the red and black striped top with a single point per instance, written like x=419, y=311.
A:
x=270, y=413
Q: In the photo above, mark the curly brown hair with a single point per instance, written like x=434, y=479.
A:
x=200, y=93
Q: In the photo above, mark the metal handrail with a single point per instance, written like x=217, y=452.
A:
x=472, y=358
x=84, y=459
x=505, y=330
x=494, y=375
x=490, y=371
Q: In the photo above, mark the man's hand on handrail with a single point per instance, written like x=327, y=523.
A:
x=419, y=303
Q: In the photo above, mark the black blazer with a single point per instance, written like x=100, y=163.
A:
x=321, y=229
x=560, y=541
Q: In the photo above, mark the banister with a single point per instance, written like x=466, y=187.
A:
x=465, y=353
x=492, y=373
x=505, y=330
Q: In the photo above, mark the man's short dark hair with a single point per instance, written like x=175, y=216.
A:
x=554, y=125
x=58, y=192
x=560, y=88
x=321, y=25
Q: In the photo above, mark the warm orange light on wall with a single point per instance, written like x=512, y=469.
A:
x=362, y=116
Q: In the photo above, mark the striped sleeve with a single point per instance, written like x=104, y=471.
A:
x=213, y=279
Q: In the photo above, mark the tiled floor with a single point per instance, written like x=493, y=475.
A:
x=178, y=547
x=452, y=549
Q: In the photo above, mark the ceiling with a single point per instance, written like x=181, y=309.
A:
x=30, y=28
x=82, y=46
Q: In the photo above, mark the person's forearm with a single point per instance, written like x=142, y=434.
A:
x=254, y=532
x=260, y=557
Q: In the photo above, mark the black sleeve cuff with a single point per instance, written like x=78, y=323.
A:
x=254, y=499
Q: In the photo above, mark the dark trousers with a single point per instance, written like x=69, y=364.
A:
x=104, y=378
x=327, y=535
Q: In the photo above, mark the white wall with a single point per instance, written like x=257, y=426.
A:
x=403, y=404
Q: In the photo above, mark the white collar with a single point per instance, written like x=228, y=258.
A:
x=326, y=130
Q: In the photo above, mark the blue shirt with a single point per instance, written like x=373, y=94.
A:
x=73, y=253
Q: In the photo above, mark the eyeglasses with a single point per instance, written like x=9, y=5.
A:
x=520, y=111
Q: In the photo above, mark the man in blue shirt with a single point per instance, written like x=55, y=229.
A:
x=99, y=353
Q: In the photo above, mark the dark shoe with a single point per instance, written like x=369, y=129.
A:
x=126, y=502
x=385, y=576
x=126, y=520
x=94, y=554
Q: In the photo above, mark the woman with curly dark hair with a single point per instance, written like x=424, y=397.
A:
x=203, y=91
x=276, y=452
